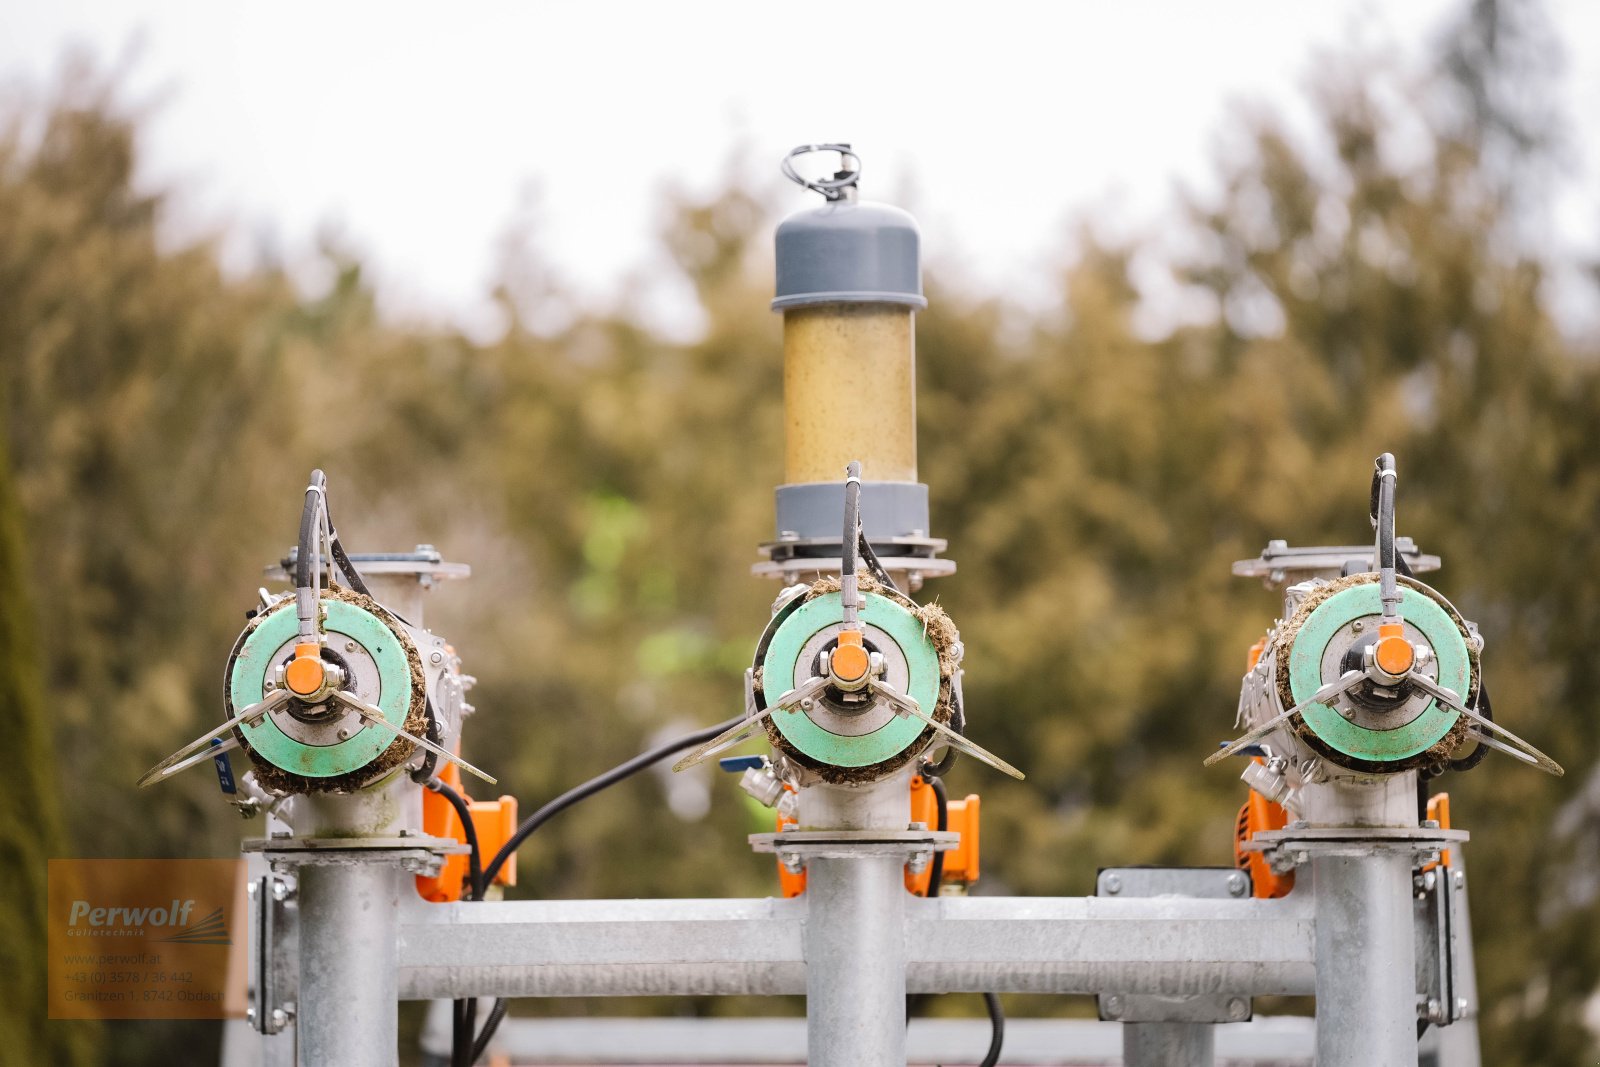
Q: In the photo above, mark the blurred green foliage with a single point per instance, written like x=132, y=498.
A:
x=1369, y=292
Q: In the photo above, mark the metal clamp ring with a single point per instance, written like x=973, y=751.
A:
x=832, y=188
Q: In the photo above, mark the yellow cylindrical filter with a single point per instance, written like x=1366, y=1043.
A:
x=849, y=386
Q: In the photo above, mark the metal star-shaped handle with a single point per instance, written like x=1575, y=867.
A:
x=200, y=749
x=374, y=717
x=905, y=705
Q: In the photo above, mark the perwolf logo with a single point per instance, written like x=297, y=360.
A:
x=125, y=922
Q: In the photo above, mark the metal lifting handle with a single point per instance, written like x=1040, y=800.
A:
x=841, y=186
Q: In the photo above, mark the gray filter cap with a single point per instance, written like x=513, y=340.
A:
x=847, y=251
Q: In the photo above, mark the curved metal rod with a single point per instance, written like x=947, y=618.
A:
x=374, y=716
x=1527, y=754
x=907, y=705
x=181, y=759
x=790, y=701
x=1327, y=693
x=734, y=735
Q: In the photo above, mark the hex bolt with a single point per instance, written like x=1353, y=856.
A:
x=280, y=890
x=436, y=658
x=1435, y=1011
x=349, y=646
x=1113, y=1007
x=250, y=1016
x=1463, y=1008
x=1113, y=884
x=1237, y=884
x=1461, y=879
x=1238, y=1009
x=918, y=862
x=279, y=1018
x=791, y=861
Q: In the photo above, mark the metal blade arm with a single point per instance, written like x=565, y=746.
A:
x=1527, y=754
x=1328, y=692
x=906, y=705
x=726, y=739
x=790, y=701
x=184, y=758
x=374, y=716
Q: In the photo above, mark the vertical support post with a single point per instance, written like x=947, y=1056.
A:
x=1168, y=1044
x=1366, y=967
x=348, y=1007
x=855, y=961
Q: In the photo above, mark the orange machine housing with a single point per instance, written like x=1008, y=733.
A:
x=494, y=820
x=1439, y=812
x=1259, y=814
x=960, y=863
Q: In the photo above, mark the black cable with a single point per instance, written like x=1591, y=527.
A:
x=997, y=1029
x=490, y=1025
x=958, y=723
x=941, y=800
x=874, y=564
x=463, y=1011
x=475, y=883
x=1481, y=750
x=588, y=789
x=430, y=760
x=991, y=1001
x=596, y=784
x=352, y=575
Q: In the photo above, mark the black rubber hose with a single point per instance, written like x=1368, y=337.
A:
x=475, y=883
x=490, y=1025
x=991, y=1001
x=430, y=759
x=997, y=1029
x=958, y=723
x=1383, y=510
x=565, y=801
x=596, y=784
x=308, y=528
x=463, y=1011
x=874, y=564
x=851, y=536
x=351, y=575
x=941, y=800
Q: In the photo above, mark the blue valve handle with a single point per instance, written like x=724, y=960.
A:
x=224, y=769
x=733, y=764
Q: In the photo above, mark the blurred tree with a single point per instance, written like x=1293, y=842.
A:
x=31, y=832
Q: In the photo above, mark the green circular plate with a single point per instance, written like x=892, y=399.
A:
x=1305, y=673
x=893, y=737
x=253, y=666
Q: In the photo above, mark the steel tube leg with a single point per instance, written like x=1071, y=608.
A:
x=1366, y=969
x=348, y=1008
x=855, y=962
x=1168, y=1044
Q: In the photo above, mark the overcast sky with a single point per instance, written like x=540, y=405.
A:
x=419, y=131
